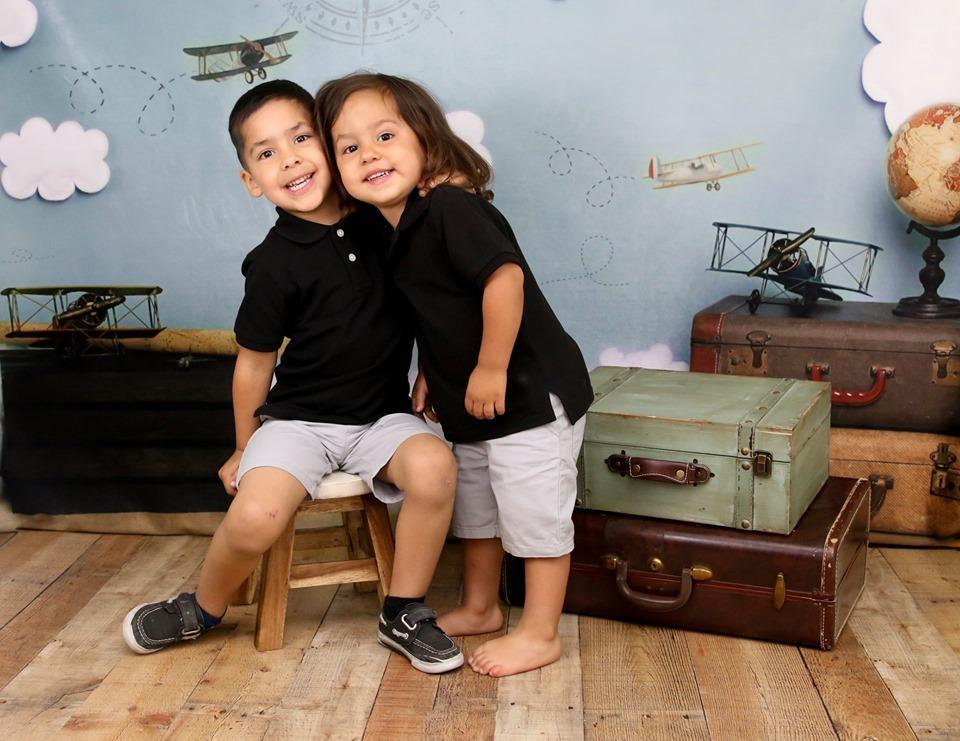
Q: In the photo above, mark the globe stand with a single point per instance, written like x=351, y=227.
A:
x=930, y=305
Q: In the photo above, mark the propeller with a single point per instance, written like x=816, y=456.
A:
x=258, y=47
x=780, y=249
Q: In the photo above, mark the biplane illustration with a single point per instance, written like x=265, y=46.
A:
x=68, y=317
x=778, y=257
x=709, y=168
x=240, y=57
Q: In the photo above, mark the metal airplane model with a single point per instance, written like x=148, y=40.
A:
x=707, y=168
x=68, y=317
x=241, y=57
x=779, y=259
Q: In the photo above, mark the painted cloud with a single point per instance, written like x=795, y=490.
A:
x=658, y=356
x=915, y=63
x=18, y=21
x=54, y=163
x=469, y=127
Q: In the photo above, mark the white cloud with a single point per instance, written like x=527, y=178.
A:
x=658, y=356
x=915, y=64
x=18, y=21
x=54, y=163
x=469, y=127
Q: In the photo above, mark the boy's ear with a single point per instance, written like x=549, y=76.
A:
x=252, y=188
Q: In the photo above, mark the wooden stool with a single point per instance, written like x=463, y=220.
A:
x=367, y=526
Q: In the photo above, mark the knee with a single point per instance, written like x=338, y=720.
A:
x=250, y=528
x=429, y=474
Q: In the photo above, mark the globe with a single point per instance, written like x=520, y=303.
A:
x=923, y=165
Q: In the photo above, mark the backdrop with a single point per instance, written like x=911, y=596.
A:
x=574, y=98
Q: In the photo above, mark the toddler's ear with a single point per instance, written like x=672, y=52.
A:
x=252, y=188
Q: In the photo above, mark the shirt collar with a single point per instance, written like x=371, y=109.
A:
x=299, y=230
x=415, y=209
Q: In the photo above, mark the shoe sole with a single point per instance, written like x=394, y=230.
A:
x=436, y=667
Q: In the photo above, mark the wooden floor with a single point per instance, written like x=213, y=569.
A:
x=65, y=672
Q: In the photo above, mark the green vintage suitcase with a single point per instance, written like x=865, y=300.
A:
x=735, y=451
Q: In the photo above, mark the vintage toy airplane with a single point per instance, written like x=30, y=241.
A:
x=707, y=168
x=242, y=57
x=778, y=257
x=67, y=317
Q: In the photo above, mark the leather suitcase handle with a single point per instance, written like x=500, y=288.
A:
x=650, y=469
x=841, y=398
x=652, y=602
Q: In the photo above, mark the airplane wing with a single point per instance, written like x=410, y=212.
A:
x=729, y=150
x=202, y=51
x=59, y=290
x=705, y=179
x=275, y=39
x=275, y=60
x=220, y=74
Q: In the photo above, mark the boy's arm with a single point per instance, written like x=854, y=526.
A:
x=502, y=311
x=252, y=375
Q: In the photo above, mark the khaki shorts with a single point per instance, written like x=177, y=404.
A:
x=308, y=451
x=521, y=488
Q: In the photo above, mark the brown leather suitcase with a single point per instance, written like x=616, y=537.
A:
x=887, y=372
x=921, y=477
x=798, y=588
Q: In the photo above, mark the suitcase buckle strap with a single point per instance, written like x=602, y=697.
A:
x=651, y=469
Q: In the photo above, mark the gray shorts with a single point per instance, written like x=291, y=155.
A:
x=308, y=451
x=521, y=488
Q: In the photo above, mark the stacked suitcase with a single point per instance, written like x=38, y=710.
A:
x=896, y=397
x=704, y=503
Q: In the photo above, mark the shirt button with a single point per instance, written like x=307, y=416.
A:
x=339, y=232
x=352, y=257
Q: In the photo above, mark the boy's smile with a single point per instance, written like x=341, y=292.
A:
x=284, y=161
x=380, y=157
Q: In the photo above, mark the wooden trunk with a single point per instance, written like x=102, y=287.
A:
x=798, y=588
x=135, y=432
x=920, y=503
x=749, y=453
x=887, y=372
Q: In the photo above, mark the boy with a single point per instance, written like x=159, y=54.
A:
x=340, y=400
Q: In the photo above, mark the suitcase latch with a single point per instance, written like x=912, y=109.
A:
x=944, y=480
x=762, y=463
x=946, y=366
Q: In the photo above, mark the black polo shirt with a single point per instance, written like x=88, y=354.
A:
x=324, y=287
x=443, y=250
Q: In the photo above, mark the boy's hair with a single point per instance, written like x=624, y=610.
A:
x=445, y=154
x=257, y=97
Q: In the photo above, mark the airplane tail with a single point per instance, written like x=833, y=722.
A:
x=653, y=169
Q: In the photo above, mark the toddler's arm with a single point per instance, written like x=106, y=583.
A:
x=251, y=381
x=502, y=311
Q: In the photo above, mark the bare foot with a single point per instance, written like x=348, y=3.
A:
x=514, y=653
x=463, y=621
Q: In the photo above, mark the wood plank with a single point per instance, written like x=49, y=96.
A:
x=333, y=572
x=933, y=579
x=335, y=686
x=41, y=698
x=141, y=694
x=42, y=619
x=238, y=695
x=548, y=701
x=4, y=537
x=857, y=701
x=31, y=561
x=406, y=701
x=465, y=705
x=910, y=654
x=775, y=695
x=638, y=682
